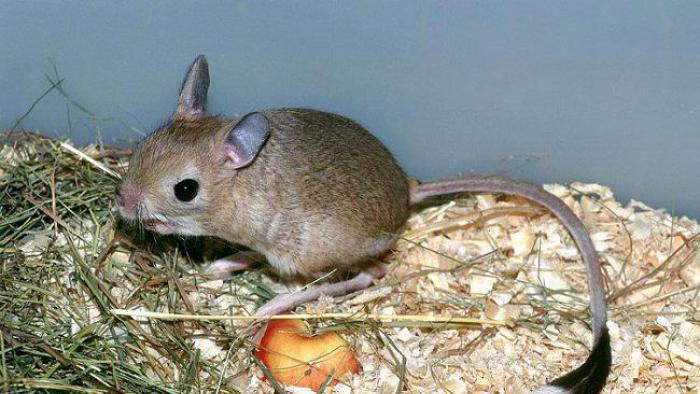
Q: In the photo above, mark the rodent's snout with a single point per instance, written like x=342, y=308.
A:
x=127, y=201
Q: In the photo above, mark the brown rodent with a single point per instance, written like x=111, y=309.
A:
x=312, y=192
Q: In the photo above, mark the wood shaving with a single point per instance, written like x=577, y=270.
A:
x=494, y=269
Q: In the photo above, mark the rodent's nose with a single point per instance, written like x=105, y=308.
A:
x=125, y=199
x=119, y=197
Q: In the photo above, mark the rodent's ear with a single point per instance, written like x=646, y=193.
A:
x=244, y=141
x=192, y=103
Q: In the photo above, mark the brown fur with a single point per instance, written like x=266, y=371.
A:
x=322, y=194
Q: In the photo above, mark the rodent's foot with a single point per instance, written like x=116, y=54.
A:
x=239, y=261
x=286, y=302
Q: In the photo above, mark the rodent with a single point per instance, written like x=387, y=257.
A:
x=313, y=192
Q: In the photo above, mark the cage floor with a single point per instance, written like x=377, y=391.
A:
x=65, y=269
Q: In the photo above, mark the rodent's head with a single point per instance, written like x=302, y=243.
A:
x=177, y=174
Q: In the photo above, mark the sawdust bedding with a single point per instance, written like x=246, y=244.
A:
x=493, y=257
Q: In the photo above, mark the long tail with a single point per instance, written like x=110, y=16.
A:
x=590, y=377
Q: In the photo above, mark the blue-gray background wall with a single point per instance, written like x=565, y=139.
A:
x=605, y=92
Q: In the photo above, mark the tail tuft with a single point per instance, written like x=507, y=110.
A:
x=590, y=377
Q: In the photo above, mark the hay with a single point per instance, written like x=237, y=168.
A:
x=497, y=258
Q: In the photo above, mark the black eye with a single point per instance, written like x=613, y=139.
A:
x=186, y=190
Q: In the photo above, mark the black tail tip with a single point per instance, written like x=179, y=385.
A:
x=591, y=376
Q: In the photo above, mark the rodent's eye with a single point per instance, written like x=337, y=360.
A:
x=186, y=190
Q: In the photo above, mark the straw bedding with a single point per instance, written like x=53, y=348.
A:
x=66, y=266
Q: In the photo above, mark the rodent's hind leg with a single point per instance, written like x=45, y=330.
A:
x=286, y=302
x=224, y=266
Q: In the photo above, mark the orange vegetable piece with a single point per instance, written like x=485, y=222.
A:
x=295, y=357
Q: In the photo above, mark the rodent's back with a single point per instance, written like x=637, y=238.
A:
x=323, y=191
